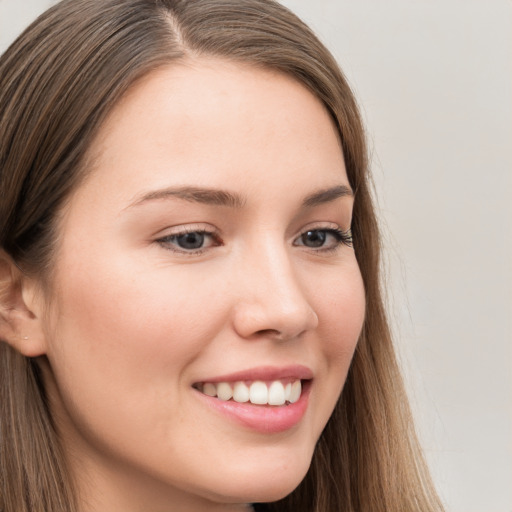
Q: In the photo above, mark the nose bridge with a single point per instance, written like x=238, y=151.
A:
x=272, y=299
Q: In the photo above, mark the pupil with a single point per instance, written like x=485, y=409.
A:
x=314, y=238
x=191, y=240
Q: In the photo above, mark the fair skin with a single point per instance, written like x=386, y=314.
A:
x=142, y=317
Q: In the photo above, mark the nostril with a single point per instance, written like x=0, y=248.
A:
x=274, y=333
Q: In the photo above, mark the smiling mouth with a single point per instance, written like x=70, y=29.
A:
x=258, y=392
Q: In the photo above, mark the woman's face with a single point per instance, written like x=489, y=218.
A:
x=208, y=252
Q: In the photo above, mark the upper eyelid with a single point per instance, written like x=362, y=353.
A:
x=318, y=226
x=209, y=229
x=201, y=227
x=210, y=232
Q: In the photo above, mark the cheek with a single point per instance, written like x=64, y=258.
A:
x=120, y=351
x=341, y=311
x=122, y=307
x=340, y=305
x=120, y=332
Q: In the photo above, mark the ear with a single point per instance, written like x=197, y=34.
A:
x=21, y=323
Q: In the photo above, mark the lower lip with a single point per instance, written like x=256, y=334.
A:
x=267, y=419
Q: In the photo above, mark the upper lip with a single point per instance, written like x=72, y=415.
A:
x=265, y=373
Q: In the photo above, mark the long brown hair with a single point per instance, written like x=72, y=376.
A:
x=58, y=82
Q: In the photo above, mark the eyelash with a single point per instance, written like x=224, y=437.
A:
x=341, y=237
x=169, y=242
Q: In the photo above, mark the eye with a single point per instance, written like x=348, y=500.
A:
x=189, y=241
x=324, y=239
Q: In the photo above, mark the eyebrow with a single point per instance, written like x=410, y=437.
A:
x=327, y=195
x=218, y=197
x=209, y=196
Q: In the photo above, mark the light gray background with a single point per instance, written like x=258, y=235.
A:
x=434, y=78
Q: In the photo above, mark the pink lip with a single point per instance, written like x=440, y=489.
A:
x=265, y=373
x=267, y=419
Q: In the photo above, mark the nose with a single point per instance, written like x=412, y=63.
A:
x=271, y=300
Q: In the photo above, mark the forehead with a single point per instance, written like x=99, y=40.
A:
x=218, y=122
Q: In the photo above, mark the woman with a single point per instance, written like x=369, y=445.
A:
x=191, y=315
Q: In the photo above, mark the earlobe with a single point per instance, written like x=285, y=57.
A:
x=20, y=322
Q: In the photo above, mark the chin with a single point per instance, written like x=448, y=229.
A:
x=275, y=491
x=263, y=485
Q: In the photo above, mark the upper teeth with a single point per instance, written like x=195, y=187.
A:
x=258, y=392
